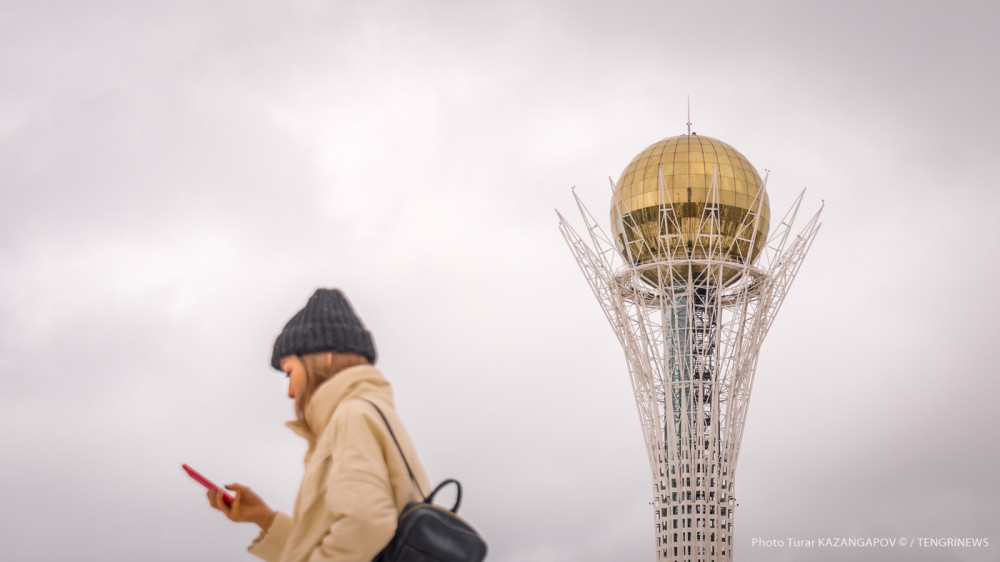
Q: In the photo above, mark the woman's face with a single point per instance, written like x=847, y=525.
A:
x=296, y=372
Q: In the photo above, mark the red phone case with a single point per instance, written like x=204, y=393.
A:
x=207, y=483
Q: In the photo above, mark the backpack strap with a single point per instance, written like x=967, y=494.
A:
x=400, y=449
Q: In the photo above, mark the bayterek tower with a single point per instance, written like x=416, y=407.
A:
x=690, y=277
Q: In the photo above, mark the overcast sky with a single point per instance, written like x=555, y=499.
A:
x=178, y=177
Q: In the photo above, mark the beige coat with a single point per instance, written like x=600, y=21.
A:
x=355, y=482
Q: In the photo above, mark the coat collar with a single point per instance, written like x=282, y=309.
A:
x=349, y=383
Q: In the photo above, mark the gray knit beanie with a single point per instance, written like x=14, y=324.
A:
x=327, y=323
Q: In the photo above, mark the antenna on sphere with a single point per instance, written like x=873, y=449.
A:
x=689, y=114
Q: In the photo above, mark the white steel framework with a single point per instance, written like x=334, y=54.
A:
x=691, y=330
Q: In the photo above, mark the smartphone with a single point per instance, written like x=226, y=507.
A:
x=207, y=483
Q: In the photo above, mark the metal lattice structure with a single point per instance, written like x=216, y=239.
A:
x=691, y=316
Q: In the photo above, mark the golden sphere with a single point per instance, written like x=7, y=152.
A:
x=688, y=163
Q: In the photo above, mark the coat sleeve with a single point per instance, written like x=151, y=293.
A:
x=269, y=544
x=358, y=492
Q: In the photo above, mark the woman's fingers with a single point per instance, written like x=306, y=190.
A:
x=246, y=505
x=244, y=495
x=237, y=497
x=215, y=499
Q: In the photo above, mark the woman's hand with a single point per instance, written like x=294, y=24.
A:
x=247, y=506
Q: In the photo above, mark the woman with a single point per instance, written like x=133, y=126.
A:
x=355, y=482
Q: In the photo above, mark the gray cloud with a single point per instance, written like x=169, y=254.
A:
x=176, y=179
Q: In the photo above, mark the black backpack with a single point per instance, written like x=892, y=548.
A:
x=427, y=532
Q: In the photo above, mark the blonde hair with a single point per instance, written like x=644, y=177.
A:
x=321, y=367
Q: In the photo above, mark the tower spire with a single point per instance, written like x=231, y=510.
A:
x=689, y=114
